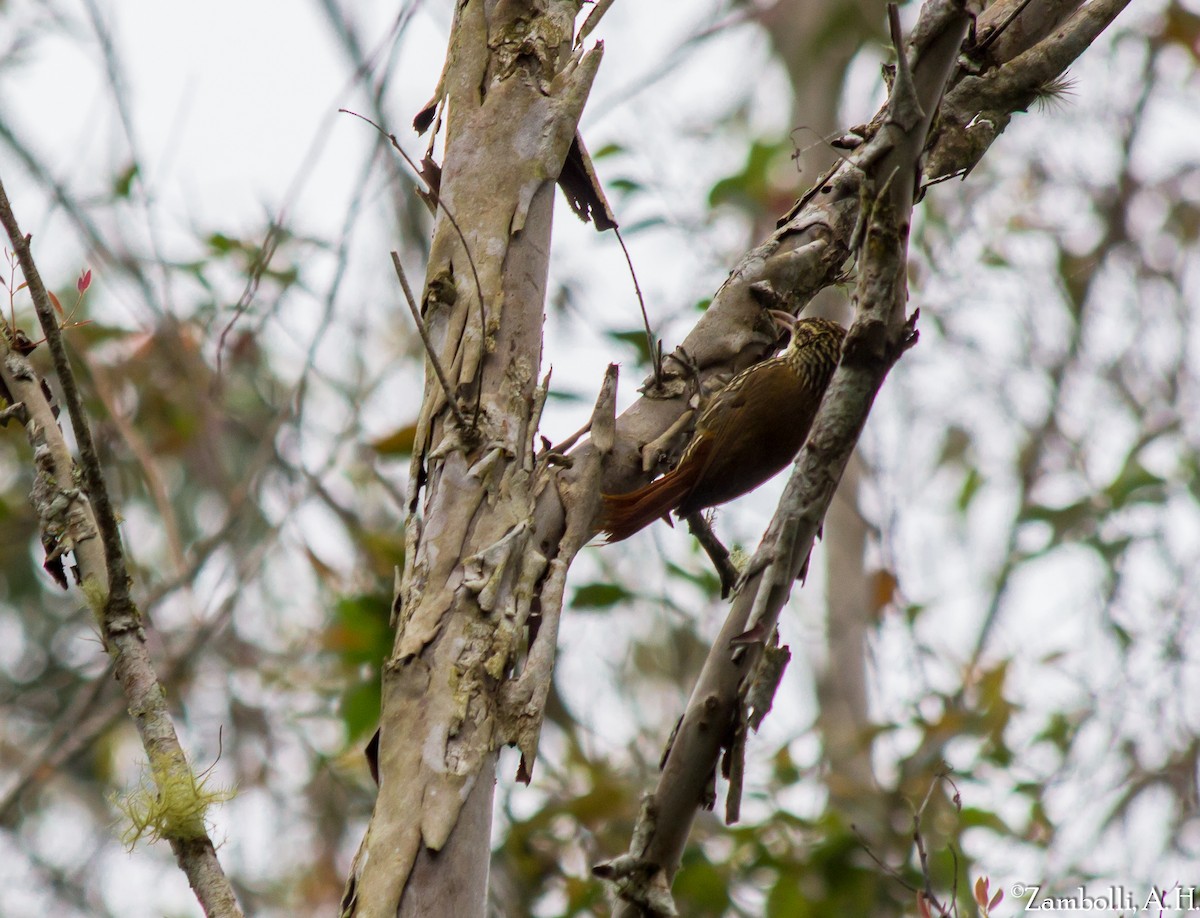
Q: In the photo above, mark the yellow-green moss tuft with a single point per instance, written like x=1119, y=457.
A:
x=174, y=807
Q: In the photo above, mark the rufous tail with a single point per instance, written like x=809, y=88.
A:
x=624, y=514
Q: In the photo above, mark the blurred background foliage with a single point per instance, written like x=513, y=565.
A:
x=1018, y=613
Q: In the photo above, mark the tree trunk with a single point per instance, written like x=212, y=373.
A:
x=511, y=94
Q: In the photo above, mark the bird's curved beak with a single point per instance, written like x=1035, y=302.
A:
x=784, y=321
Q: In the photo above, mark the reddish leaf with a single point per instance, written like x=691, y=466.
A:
x=923, y=906
x=57, y=304
x=996, y=899
x=981, y=892
x=85, y=280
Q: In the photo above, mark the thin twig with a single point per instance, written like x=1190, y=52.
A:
x=655, y=349
x=884, y=866
x=592, y=20
x=255, y=272
x=59, y=736
x=918, y=815
x=144, y=456
x=424, y=333
x=571, y=440
x=717, y=553
x=954, y=885
x=924, y=858
x=391, y=38
x=93, y=477
x=437, y=197
x=999, y=29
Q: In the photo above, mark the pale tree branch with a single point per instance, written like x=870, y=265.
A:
x=808, y=251
x=885, y=172
x=84, y=523
x=717, y=713
x=979, y=108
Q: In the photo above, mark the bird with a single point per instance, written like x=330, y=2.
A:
x=748, y=431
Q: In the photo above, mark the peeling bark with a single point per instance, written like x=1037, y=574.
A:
x=514, y=88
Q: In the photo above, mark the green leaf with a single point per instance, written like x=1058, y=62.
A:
x=1059, y=731
x=600, y=596
x=1191, y=469
x=360, y=708
x=973, y=817
x=558, y=395
x=704, y=577
x=955, y=445
x=701, y=888
x=359, y=632
x=636, y=338
x=1124, y=638
x=609, y=149
x=641, y=225
x=397, y=443
x=786, y=772
x=786, y=900
x=1110, y=550
x=1068, y=520
x=995, y=259
x=970, y=487
x=123, y=183
x=752, y=186
x=223, y=244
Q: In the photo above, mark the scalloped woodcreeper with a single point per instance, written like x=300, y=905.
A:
x=749, y=430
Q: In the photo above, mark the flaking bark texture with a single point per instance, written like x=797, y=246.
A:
x=512, y=91
x=487, y=556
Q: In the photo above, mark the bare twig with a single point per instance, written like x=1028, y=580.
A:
x=435, y=195
x=884, y=866
x=451, y=400
x=715, y=716
x=717, y=553
x=321, y=136
x=265, y=253
x=144, y=456
x=64, y=735
x=593, y=20
x=570, y=441
x=655, y=349
x=919, y=841
x=992, y=36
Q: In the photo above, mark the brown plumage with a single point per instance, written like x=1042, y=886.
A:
x=750, y=430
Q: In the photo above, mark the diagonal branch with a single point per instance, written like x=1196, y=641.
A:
x=809, y=249
x=862, y=204
x=430, y=351
x=979, y=108
x=82, y=522
x=717, y=715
